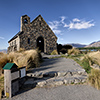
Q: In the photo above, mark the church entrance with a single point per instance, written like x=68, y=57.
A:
x=40, y=43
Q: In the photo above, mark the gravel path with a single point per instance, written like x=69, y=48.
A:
x=63, y=92
x=71, y=92
x=58, y=64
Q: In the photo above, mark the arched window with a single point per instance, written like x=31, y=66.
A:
x=28, y=40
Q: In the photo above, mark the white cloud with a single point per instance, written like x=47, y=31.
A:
x=1, y=37
x=59, y=38
x=54, y=26
x=73, y=24
x=57, y=31
x=76, y=20
x=79, y=24
x=62, y=19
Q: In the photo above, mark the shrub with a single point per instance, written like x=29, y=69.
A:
x=73, y=51
x=63, y=50
x=54, y=52
x=94, y=78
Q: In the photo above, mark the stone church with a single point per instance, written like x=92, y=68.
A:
x=32, y=35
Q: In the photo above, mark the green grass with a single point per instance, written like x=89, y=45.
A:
x=84, y=63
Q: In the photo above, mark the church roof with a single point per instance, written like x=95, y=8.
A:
x=20, y=32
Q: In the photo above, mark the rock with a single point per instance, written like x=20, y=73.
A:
x=80, y=72
x=50, y=74
x=95, y=66
x=74, y=72
x=57, y=83
x=84, y=80
x=61, y=73
x=66, y=81
x=66, y=54
x=76, y=80
x=30, y=74
x=41, y=83
x=69, y=74
x=71, y=81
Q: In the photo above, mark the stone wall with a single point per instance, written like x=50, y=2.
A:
x=35, y=29
x=14, y=45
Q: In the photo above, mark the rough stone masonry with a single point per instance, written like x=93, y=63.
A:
x=32, y=35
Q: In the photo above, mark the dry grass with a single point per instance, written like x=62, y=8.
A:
x=73, y=51
x=94, y=78
x=95, y=56
x=54, y=52
x=29, y=58
x=1, y=85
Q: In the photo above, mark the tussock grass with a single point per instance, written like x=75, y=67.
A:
x=54, y=52
x=73, y=51
x=29, y=58
x=95, y=56
x=94, y=78
x=1, y=85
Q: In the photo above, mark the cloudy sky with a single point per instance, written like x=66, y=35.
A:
x=73, y=21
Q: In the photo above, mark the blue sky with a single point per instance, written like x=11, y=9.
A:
x=73, y=21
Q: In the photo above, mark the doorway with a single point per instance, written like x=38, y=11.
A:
x=40, y=43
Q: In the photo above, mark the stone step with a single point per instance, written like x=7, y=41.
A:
x=59, y=73
x=56, y=81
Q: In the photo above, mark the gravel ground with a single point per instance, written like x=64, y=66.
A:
x=71, y=92
x=58, y=64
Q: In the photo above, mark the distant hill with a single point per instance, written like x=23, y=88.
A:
x=94, y=44
x=77, y=45
x=3, y=50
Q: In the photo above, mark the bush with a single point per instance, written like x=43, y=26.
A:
x=94, y=78
x=54, y=52
x=63, y=50
x=73, y=51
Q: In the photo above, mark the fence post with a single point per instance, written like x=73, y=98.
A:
x=11, y=79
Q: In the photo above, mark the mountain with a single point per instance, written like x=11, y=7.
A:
x=77, y=45
x=94, y=44
x=3, y=50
